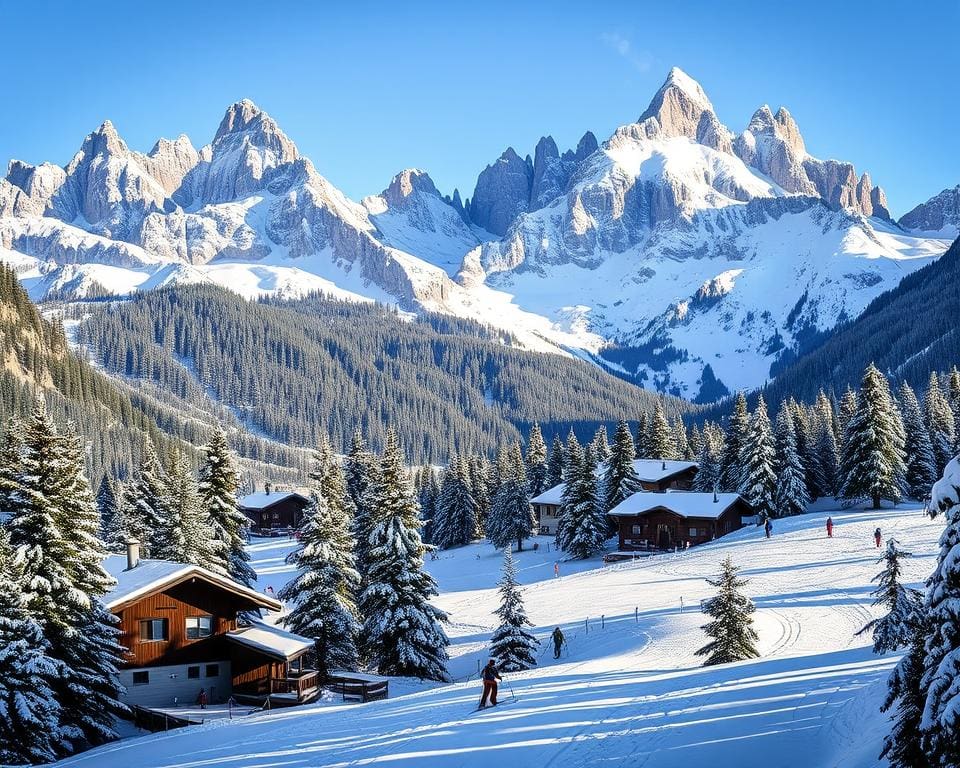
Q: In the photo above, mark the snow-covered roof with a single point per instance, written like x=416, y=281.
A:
x=153, y=575
x=262, y=500
x=271, y=640
x=682, y=503
x=655, y=470
x=648, y=470
x=549, y=496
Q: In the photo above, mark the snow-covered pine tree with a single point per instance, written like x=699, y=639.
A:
x=511, y=645
x=802, y=430
x=455, y=523
x=10, y=447
x=573, y=460
x=731, y=473
x=323, y=592
x=429, y=495
x=53, y=533
x=583, y=522
x=402, y=632
x=511, y=516
x=116, y=528
x=536, y=462
x=482, y=485
x=619, y=480
x=681, y=441
x=940, y=723
x=872, y=463
x=953, y=397
x=707, y=479
x=29, y=711
x=791, y=496
x=146, y=497
x=360, y=471
x=106, y=505
x=903, y=746
x=660, y=443
x=845, y=411
x=600, y=445
x=920, y=472
x=758, y=479
x=219, y=481
x=731, y=625
x=940, y=423
x=825, y=444
x=695, y=443
x=641, y=441
x=185, y=536
x=556, y=463
x=902, y=604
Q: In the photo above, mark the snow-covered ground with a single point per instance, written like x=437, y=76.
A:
x=629, y=692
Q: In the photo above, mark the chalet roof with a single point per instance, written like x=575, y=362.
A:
x=151, y=576
x=271, y=640
x=263, y=500
x=648, y=470
x=682, y=503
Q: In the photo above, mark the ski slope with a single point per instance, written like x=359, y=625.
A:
x=628, y=693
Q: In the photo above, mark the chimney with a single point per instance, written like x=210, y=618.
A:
x=268, y=486
x=133, y=553
x=663, y=465
x=715, y=499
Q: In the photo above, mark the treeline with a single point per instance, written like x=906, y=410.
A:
x=300, y=370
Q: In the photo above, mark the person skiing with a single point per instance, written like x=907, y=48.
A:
x=877, y=536
x=202, y=698
x=556, y=570
x=558, y=641
x=768, y=527
x=490, y=677
x=829, y=527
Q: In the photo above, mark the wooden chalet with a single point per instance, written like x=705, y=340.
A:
x=179, y=626
x=654, y=474
x=664, y=521
x=270, y=510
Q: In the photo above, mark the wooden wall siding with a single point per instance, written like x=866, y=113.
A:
x=653, y=524
x=253, y=671
x=195, y=598
x=283, y=514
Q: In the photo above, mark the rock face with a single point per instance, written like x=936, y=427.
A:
x=677, y=108
x=940, y=214
x=502, y=192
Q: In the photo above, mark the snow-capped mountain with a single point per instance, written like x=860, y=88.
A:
x=676, y=251
x=939, y=216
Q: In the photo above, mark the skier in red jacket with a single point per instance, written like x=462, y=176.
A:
x=490, y=677
x=829, y=527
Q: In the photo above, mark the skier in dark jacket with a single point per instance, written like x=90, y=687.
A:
x=878, y=537
x=768, y=527
x=558, y=641
x=490, y=677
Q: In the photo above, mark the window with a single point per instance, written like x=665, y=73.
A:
x=213, y=670
x=693, y=531
x=193, y=673
x=637, y=530
x=153, y=630
x=294, y=667
x=199, y=626
x=141, y=678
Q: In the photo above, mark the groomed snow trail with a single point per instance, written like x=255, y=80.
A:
x=631, y=693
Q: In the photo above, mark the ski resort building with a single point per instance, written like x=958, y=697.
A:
x=179, y=627
x=271, y=510
x=648, y=521
x=655, y=475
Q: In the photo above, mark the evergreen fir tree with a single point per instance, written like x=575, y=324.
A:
x=758, y=478
x=920, y=471
x=360, y=470
x=146, y=496
x=731, y=473
x=556, y=463
x=323, y=591
x=710, y=462
x=907, y=697
x=872, y=464
x=695, y=442
x=731, y=625
x=29, y=711
x=681, y=441
x=791, y=489
x=642, y=442
x=481, y=488
x=455, y=523
x=845, y=412
x=536, y=462
x=620, y=479
x=940, y=722
x=402, y=632
x=600, y=445
x=902, y=604
x=825, y=445
x=117, y=528
x=219, y=481
x=660, y=439
x=511, y=645
x=953, y=397
x=106, y=505
x=806, y=455
x=511, y=517
x=940, y=423
x=429, y=496
x=582, y=528
x=185, y=537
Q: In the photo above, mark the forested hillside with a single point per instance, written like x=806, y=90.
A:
x=299, y=370
x=907, y=332
x=113, y=419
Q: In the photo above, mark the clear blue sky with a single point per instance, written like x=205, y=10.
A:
x=368, y=88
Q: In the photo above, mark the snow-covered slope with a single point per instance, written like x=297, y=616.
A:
x=630, y=690
x=674, y=246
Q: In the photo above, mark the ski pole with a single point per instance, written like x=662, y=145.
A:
x=512, y=694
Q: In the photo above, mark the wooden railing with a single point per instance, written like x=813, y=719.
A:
x=152, y=720
x=362, y=690
x=298, y=685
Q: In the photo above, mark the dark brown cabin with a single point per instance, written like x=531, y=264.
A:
x=270, y=510
x=663, y=521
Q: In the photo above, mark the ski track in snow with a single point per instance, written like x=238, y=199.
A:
x=630, y=694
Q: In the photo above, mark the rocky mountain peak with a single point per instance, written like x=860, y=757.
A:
x=677, y=107
x=238, y=117
x=406, y=183
x=502, y=192
x=586, y=146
